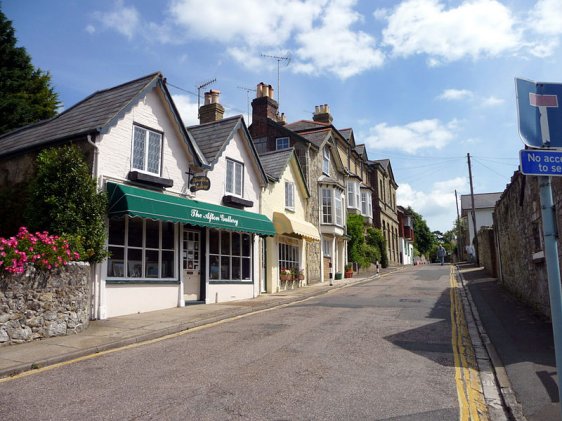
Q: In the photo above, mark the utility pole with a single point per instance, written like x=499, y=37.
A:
x=459, y=229
x=473, y=212
x=279, y=59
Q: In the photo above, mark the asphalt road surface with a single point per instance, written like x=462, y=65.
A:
x=380, y=350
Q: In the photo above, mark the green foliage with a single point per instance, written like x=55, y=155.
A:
x=356, y=245
x=26, y=95
x=424, y=239
x=64, y=200
x=375, y=239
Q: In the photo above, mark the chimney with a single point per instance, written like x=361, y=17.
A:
x=322, y=114
x=212, y=110
x=264, y=107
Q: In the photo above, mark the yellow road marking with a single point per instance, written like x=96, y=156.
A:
x=469, y=387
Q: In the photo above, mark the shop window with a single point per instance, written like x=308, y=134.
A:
x=141, y=249
x=289, y=256
x=230, y=256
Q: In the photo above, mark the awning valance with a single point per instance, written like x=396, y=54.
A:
x=133, y=201
x=286, y=224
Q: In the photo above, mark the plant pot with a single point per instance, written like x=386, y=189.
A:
x=349, y=274
x=301, y=277
x=285, y=277
x=338, y=275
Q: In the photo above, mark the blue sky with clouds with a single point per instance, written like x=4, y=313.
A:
x=421, y=82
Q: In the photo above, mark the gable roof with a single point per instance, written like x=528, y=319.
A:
x=302, y=125
x=385, y=164
x=317, y=137
x=481, y=200
x=274, y=163
x=95, y=114
x=212, y=138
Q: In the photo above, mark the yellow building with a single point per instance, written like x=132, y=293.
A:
x=284, y=201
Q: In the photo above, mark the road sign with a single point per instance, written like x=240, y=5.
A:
x=539, y=113
x=541, y=162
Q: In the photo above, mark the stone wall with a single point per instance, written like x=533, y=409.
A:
x=36, y=307
x=487, y=250
x=519, y=240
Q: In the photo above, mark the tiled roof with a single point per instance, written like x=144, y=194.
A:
x=346, y=133
x=360, y=149
x=92, y=114
x=382, y=162
x=274, y=163
x=317, y=137
x=212, y=137
x=302, y=125
x=481, y=200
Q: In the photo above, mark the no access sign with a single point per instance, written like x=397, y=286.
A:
x=539, y=111
x=541, y=162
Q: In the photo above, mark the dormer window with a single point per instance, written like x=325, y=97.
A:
x=147, y=150
x=326, y=161
x=281, y=143
x=234, y=178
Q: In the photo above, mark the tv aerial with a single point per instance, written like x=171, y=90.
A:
x=279, y=59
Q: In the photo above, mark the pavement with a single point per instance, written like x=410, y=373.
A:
x=520, y=345
x=118, y=332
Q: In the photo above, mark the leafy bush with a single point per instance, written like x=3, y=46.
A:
x=40, y=250
x=63, y=199
x=375, y=239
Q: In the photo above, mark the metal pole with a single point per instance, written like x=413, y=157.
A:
x=552, y=267
x=459, y=234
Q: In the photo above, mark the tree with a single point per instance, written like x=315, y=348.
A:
x=356, y=246
x=63, y=199
x=424, y=239
x=26, y=95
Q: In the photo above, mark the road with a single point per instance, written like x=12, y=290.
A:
x=382, y=350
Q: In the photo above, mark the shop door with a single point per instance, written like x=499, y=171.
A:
x=191, y=266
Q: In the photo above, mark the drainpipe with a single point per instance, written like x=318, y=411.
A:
x=95, y=269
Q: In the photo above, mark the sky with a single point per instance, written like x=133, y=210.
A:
x=423, y=83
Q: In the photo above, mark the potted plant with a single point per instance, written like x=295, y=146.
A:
x=301, y=275
x=348, y=270
x=285, y=274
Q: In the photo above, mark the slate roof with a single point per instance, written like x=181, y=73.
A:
x=303, y=125
x=360, y=149
x=316, y=137
x=481, y=200
x=274, y=163
x=382, y=162
x=88, y=116
x=346, y=133
x=212, y=137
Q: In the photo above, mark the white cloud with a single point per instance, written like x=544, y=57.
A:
x=473, y=29
x=411, y=137
x=123, y=19
x=455, y=94
x=546, y=17
x=437, y=206
x=187, y=109
x=90, y=29
x=492, y=101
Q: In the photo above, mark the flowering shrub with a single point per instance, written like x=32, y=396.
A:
x=286, y=271
x=40, y=250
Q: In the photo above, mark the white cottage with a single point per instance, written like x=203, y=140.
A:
x=141, y=153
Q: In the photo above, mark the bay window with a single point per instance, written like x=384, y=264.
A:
x=332, y=209
x=327, y=214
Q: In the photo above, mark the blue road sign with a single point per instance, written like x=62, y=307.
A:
x=539, y=111
x=541, y=162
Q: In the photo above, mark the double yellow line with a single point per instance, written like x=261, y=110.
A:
x=469, y=387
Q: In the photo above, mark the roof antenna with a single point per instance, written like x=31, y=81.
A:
x=279, y=59
x=248, y=90
x=201, y=86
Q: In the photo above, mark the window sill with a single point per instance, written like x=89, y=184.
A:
x=149, y=179
x=131, y=281
x=292, y=210
x=235, y=201
x=232, y=282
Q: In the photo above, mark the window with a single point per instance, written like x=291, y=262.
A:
x=289, y=195
x=230, y=256
x=147, y=149
x=326, y=161
x=350, y=194
x=339, y=209
x=234, y=178
x=364, y=207
x=281, y=143
x=327, y=248
x=141, y=248
x=370, y=204
x=327, y=217
x=289, y=256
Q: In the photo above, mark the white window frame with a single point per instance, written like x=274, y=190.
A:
x=326, y=160
x=289, y=195
x=289, y=255
x=146, y=150
x=338, y=208
x=364, y=207
x=282, y=141
x=244, y=259
x=235, y=170
x=350, y=194
x=125, y=265
x=328, y=217
x=327, y=248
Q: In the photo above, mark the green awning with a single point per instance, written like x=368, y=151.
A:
x=132, y=201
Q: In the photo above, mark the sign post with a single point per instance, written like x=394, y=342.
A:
x=540, y=129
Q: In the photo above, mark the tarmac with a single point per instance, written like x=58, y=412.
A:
x=517, y=343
